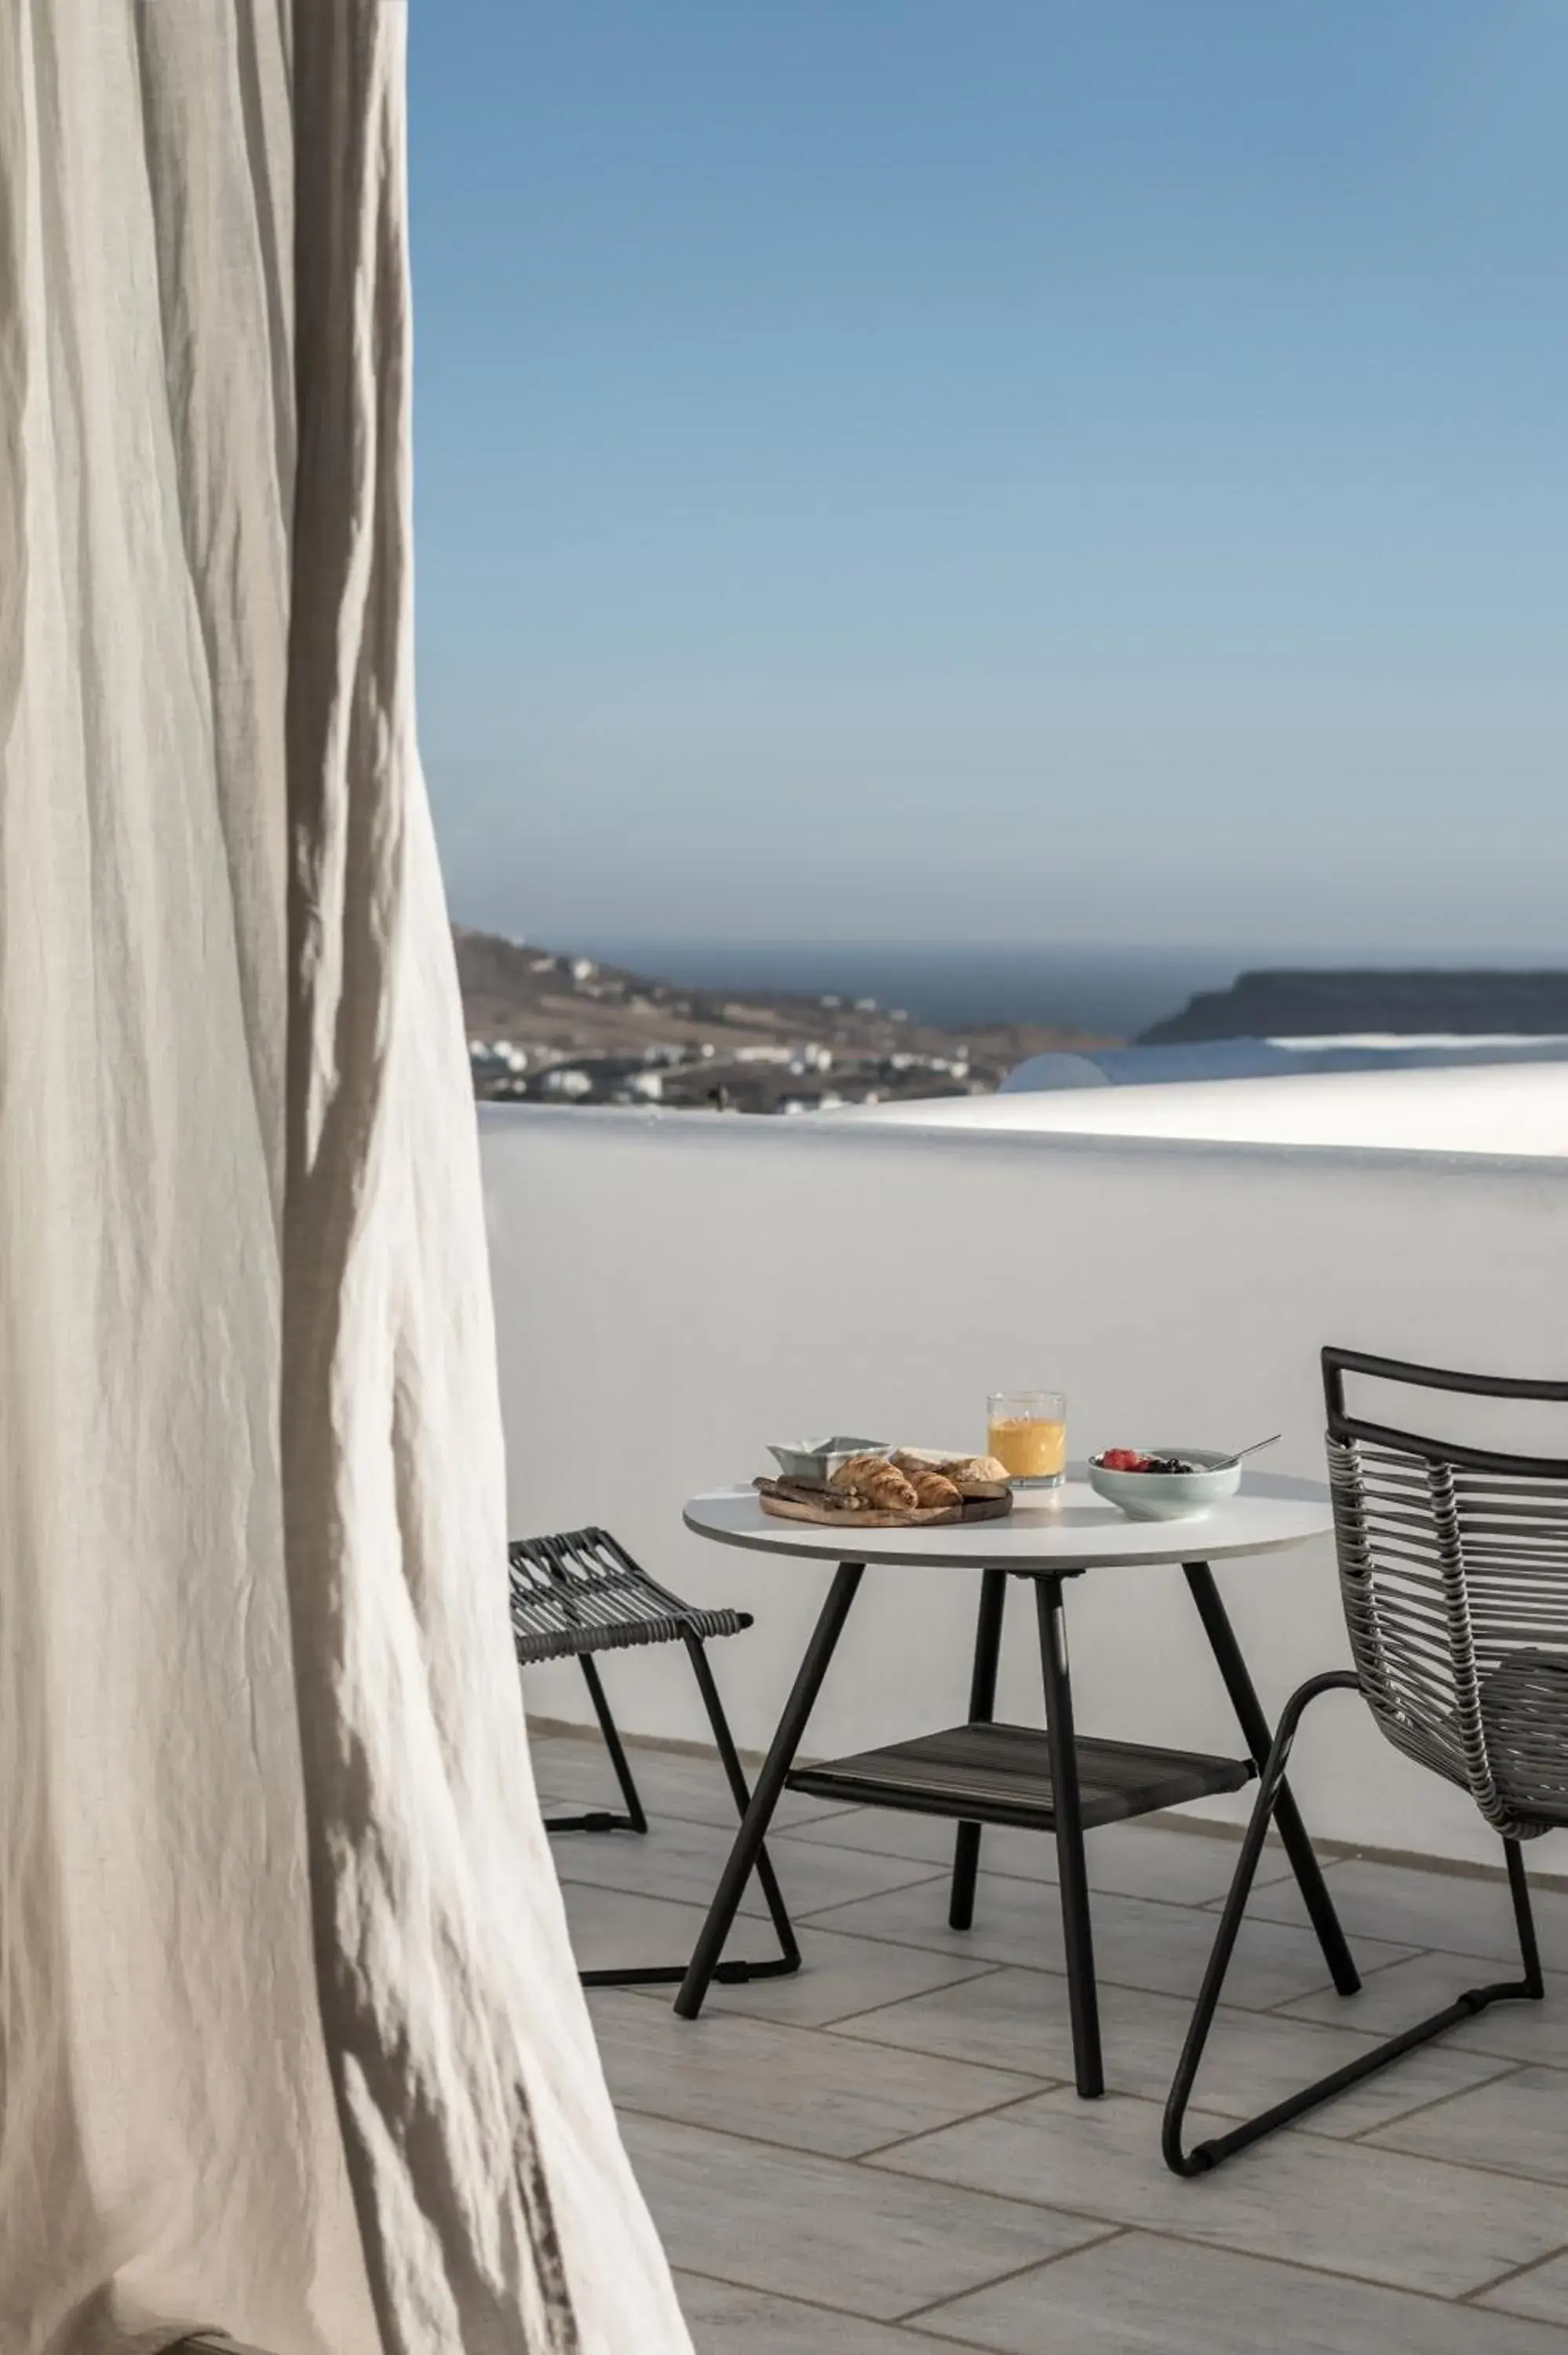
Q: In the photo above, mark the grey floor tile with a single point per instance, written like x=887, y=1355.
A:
x=1140, y=2295
x=1136, y=1943
x=1148, y=1859
x=1018, y=2020
x=1414, y=2224
x=1395, y=1998
x=1452, y=1910
x=1518, y=2124
x=875, y=2243
x=614, y=1927
x=840, y=1975
x=611, y=1927
x=728, y=2321
x=682, y=1860
x=785, y=2084
x=672, y=1783
x=928, y=1839
x=1542, y=2291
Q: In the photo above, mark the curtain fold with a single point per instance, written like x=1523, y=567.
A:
x=291, y=2043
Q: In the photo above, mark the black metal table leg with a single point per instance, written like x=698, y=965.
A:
x=982, y=1706
x=1258, y=1735
x=765, y=1797
x=734, y=1775
x=1082, y=2000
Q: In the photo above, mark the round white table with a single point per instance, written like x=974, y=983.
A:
x=1052, y=1780
x=1064, y=1530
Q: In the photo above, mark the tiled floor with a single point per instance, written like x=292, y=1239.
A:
x=885, y=2155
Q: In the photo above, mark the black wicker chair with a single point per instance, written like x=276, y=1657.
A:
x=1454, y=1576
x=580, y=1593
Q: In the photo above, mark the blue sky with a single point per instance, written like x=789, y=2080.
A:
x=1059, y=470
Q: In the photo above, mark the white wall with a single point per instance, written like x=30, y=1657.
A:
x=674, y=1290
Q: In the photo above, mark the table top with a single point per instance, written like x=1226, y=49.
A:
x=1066, y=1528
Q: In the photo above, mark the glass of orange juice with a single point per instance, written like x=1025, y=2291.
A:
x=1027, y=1433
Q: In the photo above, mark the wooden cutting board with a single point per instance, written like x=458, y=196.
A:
x=791, y=1500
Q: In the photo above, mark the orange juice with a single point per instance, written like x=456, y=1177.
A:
x=1029, y=1447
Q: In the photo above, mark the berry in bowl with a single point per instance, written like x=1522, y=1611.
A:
x=1163, y=1484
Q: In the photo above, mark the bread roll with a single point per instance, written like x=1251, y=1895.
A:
x=977, y=1475
x=973, y=1476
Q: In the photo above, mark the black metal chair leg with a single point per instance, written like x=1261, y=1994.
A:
x=1083, y=1998
x=1524, y=1922
x=705, y=1966
x=612, y=1743
x=1209, y=2155
x=982, y=1706
x=603, y=1819
x=670, y=1973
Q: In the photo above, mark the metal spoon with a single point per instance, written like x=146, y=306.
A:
x=1225, y=1462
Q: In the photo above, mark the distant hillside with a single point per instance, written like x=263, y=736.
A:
x=559, y=1027
x=1312, y=1004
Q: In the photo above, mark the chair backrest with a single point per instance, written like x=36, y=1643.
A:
x=1454, y=1575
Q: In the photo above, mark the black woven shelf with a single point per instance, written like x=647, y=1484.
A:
x=1001, y=1775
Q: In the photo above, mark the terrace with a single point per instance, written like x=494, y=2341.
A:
x=887, y=2153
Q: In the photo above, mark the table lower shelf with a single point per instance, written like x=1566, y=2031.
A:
x=1001, y=1775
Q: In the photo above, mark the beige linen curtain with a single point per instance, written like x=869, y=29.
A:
x=290, y=2041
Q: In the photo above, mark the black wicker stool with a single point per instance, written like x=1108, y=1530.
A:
x=580, y=1593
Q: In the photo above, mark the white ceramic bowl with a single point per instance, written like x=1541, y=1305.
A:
x=816, y=1460
x=1168, y=1495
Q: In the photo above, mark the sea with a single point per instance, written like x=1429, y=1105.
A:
x=1114, y=991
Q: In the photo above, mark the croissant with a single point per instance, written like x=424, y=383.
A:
x=934, y=1491
x=878, y=1482
x=889, y=1490
x=847, y=1476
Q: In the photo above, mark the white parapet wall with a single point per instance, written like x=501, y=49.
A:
x=1501, y=1108
x=674, y=1290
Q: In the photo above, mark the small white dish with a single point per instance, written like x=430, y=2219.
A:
x=816, y=1460
x=1168, y=1495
